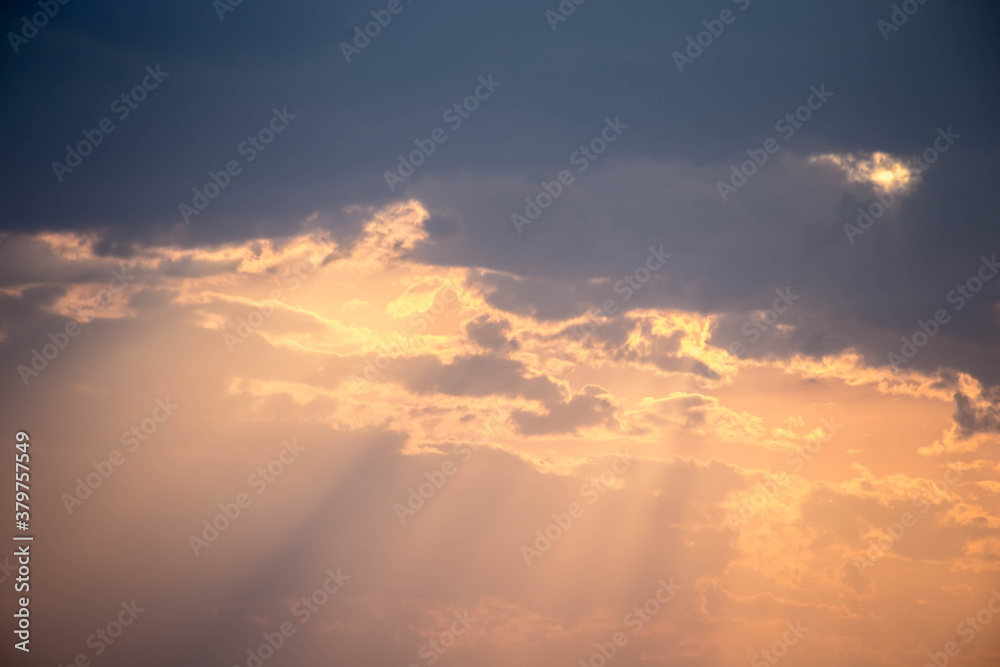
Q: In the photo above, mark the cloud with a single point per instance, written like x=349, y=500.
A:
x=704, y=428
x=972, y=418
x=588, y=408
x=491, y=334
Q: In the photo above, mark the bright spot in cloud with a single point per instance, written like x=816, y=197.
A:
x=881, y=170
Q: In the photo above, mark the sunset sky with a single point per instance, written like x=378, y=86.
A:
x=514, y=334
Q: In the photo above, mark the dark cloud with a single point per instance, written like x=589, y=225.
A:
x=473, y=375
x=591, y=407
x=972, y=418
x=655, y=185
x=614, y=59
x=491, y=333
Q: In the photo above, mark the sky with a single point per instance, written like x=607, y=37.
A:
x=398, y=333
